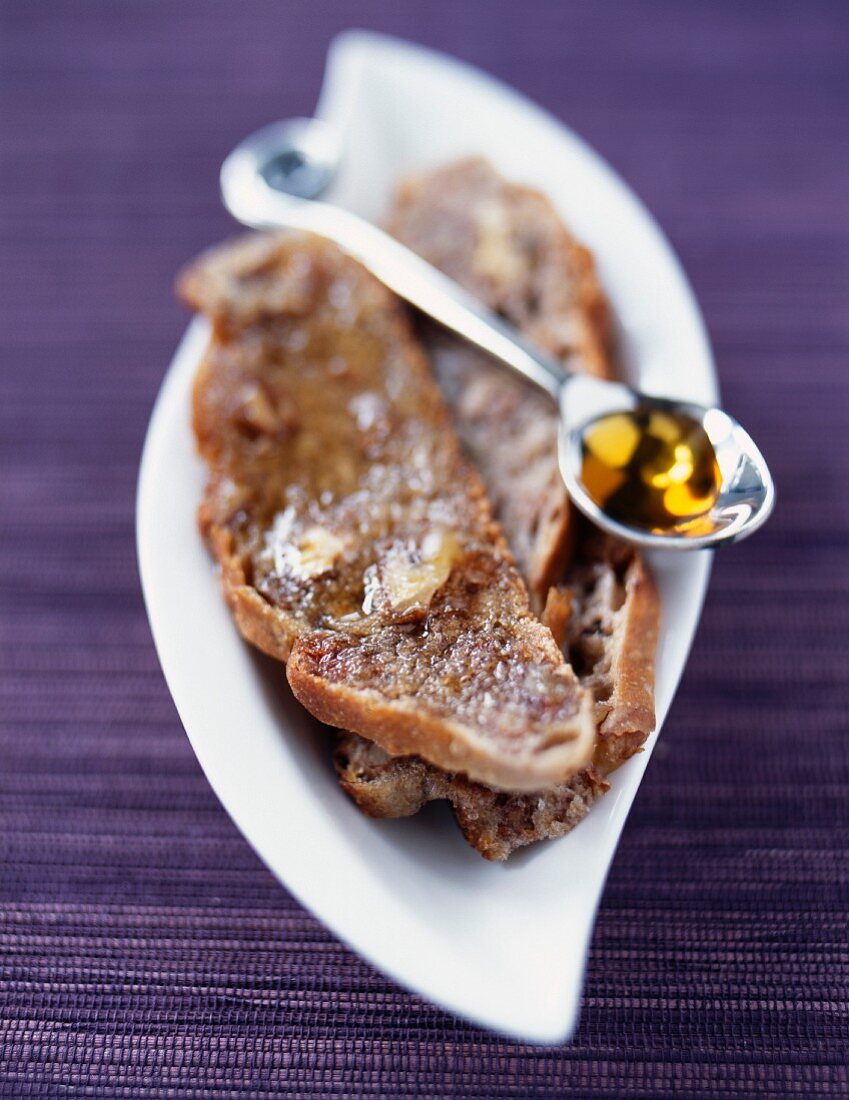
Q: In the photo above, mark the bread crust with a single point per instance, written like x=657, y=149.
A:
x=605, y=614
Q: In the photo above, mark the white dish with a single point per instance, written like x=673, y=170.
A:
x=502, y=945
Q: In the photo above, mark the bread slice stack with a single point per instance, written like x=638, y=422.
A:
x=389, y=522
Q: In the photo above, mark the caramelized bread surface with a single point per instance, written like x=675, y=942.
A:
x=355, y=539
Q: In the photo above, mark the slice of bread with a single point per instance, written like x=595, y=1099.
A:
x=605, y=614
x=355, y=540
x=508, y=245
x=493, y=822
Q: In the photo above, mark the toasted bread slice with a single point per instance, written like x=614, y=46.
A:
x=606, y=616
x=495, y=823
x=355, y=540
x=507, y=244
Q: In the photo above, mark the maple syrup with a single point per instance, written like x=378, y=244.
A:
x=650, y=468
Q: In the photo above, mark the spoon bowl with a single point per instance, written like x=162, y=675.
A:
x=746, y=493
x=273, y=179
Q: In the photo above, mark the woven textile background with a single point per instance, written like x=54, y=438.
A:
x=144, y=951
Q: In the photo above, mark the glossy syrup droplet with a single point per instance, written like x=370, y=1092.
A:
x=649, y=468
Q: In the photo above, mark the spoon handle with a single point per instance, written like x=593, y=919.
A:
x=255, y=203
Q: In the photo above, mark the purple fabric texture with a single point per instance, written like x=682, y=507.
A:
x=144, y=950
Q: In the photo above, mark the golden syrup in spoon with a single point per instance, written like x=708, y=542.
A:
x=652, y=469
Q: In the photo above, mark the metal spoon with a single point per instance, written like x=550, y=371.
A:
x=271, y=181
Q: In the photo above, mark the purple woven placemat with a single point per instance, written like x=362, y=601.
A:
x=144, y=951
